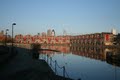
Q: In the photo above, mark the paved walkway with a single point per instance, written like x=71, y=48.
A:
x=23, y=67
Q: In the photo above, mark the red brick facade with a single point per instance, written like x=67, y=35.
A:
x=92, y=39
x=28, y=39
x=87, y=39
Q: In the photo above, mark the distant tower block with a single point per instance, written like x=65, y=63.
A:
x=114, y=31
x=2, y=32
x=43, y=34
x=64, y=32
x=49, y=32
x=53, y=32
x=38, y=34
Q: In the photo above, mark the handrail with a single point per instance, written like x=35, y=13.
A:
x=59, y=66
x=49, y=60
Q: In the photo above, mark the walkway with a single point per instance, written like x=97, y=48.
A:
x=23, y=67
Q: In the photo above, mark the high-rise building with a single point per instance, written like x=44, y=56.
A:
x=38, y=34
x=43, y=34
x=64, y=32
x=49, y=32
x=2, y=33
x=114, y=32
x=53, y=32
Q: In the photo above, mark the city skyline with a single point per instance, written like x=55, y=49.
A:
x=72, y=16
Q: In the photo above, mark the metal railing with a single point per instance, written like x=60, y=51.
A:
x=50, y=61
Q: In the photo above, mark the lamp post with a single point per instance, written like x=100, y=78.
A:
x=6, y=37
x=12, y=33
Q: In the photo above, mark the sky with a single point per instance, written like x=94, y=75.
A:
x=72, y=16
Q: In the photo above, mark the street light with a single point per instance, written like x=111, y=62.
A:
x=6, y=36
x=12, y=32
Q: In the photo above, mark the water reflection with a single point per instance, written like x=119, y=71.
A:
x=113, y=57
x=62, y=49
x=87, y=63
x=102, y=54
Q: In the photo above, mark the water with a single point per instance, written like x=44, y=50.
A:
x=84, y=64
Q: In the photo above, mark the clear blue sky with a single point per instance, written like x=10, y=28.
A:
x=74, y=16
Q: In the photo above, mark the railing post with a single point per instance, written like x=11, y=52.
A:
x=39, y=56
x=47, y=58
x=63, y=71
x=50, y=61
x=42, y=56
x=55, y=67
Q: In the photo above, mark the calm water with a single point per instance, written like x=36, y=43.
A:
x=87, y=64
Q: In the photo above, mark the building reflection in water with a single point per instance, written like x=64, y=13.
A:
x=62, y=49
x=111, y=56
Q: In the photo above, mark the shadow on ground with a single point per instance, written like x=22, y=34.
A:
x=23, y=64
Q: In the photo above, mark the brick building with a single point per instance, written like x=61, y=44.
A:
x=95, y=39
x=29, y=39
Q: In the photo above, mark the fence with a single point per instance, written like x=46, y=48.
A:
x=50, y=61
